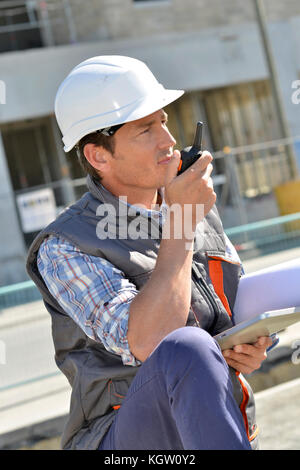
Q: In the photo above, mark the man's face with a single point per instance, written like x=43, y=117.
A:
x=143, y=149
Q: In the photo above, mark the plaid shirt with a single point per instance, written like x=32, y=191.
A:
x=93, y=291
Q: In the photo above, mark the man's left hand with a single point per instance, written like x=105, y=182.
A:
x=246, y=358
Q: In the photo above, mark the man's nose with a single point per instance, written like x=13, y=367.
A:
x=166, y=139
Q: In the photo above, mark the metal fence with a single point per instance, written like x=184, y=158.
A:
x=258, y=168
x=34, y=23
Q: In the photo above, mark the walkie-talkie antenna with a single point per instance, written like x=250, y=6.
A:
x=198, y=136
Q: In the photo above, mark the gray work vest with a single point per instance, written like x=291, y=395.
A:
x=98, y=378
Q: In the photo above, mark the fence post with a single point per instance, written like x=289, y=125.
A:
x=70, y=21
x=235, y=189
x=46, y=24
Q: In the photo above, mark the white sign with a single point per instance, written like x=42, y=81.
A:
x=37, y=209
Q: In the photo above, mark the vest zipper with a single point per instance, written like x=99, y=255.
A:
x=199, y=281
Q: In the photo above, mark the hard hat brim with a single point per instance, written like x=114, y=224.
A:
x=146, y=106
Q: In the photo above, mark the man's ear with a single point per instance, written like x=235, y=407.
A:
x=98, y=157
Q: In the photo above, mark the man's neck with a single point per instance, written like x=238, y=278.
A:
x=148, y=199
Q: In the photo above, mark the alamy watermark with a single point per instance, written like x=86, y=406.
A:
x=296, y=353
x=2, y=92
x=137, y=222
x=296, y=94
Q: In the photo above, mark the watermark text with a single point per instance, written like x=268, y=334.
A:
x=137, y=222
x=296, y=353
x=296, y=94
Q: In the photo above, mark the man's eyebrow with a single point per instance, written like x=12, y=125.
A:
x=152, y=121
x=145, y=124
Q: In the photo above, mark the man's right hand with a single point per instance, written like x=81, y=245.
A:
x=193, y=187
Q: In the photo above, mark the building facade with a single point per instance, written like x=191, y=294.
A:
x=210, y=48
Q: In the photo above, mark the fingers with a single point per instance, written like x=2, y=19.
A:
x=246, y=357
x=255, y=349
x=172, y=167
x=208, y=172
x=240, y=367
x=250, y=350
x=193, y=187
x=242, y=362
x=201, y=167
x=202, y=163
x=210, y=184
x=263, y=342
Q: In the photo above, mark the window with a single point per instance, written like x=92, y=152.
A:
x=19, y=26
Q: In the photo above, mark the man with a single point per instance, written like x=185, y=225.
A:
x=134, y=306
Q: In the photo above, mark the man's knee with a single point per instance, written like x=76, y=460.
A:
x=188, y=344
x=190, y=337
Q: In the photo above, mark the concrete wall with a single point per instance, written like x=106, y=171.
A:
x=113, y=19
x=194, y=61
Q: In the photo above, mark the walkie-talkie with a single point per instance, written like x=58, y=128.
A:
x=190, y=154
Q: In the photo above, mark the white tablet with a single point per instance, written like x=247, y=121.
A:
x=265, y=324
x=268, y=289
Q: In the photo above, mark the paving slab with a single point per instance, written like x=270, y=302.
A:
x=278, y=416
x=33, y=411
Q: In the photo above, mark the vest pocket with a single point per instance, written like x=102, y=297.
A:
x=204, y=288
x=117, y=391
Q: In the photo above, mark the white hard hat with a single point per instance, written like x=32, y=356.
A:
x=105, y=91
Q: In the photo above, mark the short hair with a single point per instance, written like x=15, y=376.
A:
x=99, y=140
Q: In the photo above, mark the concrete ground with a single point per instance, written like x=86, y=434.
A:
x=278, y=413
x=33, y=412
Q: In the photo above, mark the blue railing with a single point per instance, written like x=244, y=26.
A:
x=267, y=236
x=17, y=294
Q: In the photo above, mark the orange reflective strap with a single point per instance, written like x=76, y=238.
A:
x=244, y=404
x=254, y=435
x=116, y=407
x=216, y=276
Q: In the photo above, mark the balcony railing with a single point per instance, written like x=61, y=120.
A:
x=34, y=23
